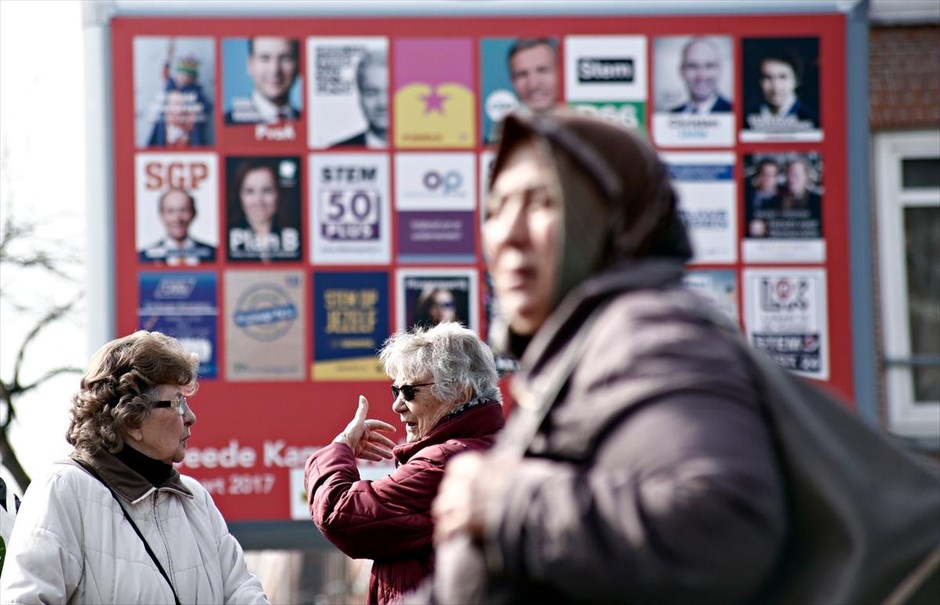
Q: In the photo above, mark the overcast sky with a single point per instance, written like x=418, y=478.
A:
x=43, y=146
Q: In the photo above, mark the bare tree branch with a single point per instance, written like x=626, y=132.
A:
x=51, y=316
x=23, y=248
x=47, y=376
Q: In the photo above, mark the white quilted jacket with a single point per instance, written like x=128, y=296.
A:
x=72, y=544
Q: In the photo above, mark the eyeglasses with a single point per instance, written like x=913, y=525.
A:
x=408, y=391
x=180, y=404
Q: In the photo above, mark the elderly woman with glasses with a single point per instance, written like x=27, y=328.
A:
x=446, y=393
x=116, y=523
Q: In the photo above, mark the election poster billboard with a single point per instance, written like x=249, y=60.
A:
x=283, y=228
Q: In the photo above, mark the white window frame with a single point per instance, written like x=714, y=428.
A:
x=905, y=417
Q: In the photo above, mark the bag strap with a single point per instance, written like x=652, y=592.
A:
x=558, y=377
x=91, y=471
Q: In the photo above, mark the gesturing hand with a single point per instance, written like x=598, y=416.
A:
x=365, y=436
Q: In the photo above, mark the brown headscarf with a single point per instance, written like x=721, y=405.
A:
x=616, y=196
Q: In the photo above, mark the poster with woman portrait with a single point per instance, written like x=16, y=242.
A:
x=264, y=215
x=427, y=297
x=781, y=89
x=174, y=92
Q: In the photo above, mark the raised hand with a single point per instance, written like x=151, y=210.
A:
x=365, y=437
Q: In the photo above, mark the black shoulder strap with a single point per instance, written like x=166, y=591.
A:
x=91, y=471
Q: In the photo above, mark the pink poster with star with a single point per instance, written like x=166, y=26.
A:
x=434, y=98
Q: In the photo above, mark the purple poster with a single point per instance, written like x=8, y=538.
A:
x=435, y=105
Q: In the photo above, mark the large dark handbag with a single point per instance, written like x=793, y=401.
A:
x=864, y=514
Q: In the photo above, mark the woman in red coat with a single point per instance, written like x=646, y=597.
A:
x=446, y=393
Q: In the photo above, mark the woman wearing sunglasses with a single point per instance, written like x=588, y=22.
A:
x=446, y=394
x=116, y=523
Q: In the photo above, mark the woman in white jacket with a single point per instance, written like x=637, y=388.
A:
x=116, y=523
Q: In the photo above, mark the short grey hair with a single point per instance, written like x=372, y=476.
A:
x=453, y=355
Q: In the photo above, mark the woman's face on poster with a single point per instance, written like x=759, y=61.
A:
x=442, y=307
x=258, y=195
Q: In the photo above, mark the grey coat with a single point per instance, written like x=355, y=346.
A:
x=651, y=479
x=676, y=466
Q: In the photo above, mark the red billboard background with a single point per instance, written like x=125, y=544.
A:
x=252, y=433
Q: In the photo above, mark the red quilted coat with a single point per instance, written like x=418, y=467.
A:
x=389, y=520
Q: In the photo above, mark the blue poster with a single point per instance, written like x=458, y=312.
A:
x=185, y=306
x=497, y=97
x=350, y=324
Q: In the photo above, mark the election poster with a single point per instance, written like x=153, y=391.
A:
x=264, y=325
x=182, y=305
x=348, y=92
x=350, y=209
x=720, y=286
x=427, y=297
x=174, y=91
x=497, y=97
x=279, y=212
x=176, y=208
x=496, y=322
x=628, y=114
x=435, y=197
x=435, y=103
x=262, y=84
x=603, y=72
x=693, y=88
x=516, y=73
x=781, y=90
x=264, y=217
x=783, y=207
x=786, y=316
x=487, y=162
x=351, y=321
x=707, y=192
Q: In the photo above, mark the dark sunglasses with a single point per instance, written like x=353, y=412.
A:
x=408, y=391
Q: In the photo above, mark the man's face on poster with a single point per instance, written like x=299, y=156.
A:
x=777, y=83
x=272, y=66
x=701, y=69
x=767, y=178
x=535, y=77
x=373, y=97
x=797, y=178
x=177, y=213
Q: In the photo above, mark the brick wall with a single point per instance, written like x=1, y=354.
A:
x=904, y=77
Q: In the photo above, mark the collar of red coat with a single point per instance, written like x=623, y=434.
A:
x=477, y=421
